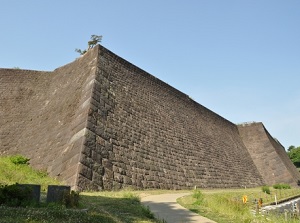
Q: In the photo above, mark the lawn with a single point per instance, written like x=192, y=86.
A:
x=226, y=206
x=107, y=207
x=222, y=206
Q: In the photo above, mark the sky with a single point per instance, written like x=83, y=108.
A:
x=239, y=58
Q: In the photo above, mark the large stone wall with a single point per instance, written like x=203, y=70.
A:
x=268, y=155
x=146, y=134
x=41, y=112
x=102, y=123
x=18, y=91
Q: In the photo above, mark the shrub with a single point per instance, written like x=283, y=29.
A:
x=15, y=195
x=266, y=189
x=71, y=200
x=199, y=196
x=281, y=186
x=19, y=160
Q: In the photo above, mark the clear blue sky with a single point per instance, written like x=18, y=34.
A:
x=239, y=58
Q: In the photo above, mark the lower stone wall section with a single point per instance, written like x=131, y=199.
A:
x=268, y=155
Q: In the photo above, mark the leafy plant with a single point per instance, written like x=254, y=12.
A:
x=19, y=160
x=15, y=195
x=294, y=155
x=81, y=52
x=95, y=39
x=266, y=189
x=281, y=186
x=199, y=196
x=71, y=200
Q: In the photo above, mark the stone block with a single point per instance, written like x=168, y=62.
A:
x=56, y=193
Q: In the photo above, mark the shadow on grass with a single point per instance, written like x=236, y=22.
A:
x=93, y=209
x=50, y=215
x=127, y=210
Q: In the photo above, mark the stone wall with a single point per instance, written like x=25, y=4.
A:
x=102, y=123
x=268, y=155
x=43, y=114
x=16, y=91
x=146, y=134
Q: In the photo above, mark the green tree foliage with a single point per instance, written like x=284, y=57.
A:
x=14, y=195
x=95, y=39
x=294, y=154
x=291, y=148
x=81, y=52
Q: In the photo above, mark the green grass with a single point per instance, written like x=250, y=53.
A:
x=281, y=186
x=11, y=173
x=226, y=206
x=122, y=206
x=94, y=207
x=222, y=206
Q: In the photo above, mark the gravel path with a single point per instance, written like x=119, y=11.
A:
x=165, y=207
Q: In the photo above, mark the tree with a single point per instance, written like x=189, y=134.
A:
x=81, y=52
x=95, y=39
x=294, y=154
x=291, y=148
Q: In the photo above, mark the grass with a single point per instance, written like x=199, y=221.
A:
x=122, y=206
x=222, y=206
x=107, y=207
x=11, y=173
x=226, y=206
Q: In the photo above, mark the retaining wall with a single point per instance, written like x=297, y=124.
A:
x=146, y=134
x=268, y=155
x=42, y=113
x=102, y=123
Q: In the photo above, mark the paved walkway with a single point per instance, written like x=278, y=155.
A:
x=165, y=207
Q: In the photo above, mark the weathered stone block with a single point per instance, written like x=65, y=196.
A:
x=56, y=193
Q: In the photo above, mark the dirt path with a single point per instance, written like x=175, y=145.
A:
x=165, y=207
